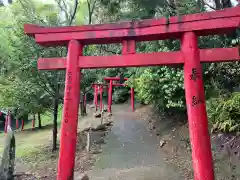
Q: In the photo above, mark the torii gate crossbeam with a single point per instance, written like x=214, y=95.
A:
x=187, y=28
x=111, y=79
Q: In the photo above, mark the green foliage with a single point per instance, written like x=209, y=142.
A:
x=224, y=113
x=162, y=86
x=24, y=88
x=120, y=94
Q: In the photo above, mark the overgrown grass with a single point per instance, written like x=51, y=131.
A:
x=30, y=142
x=46, y=119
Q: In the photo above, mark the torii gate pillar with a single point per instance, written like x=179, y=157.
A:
x=224, y=21
x=70, y=113
x=196, y=109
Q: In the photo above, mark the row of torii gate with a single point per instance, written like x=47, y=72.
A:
x=98, y=89
x=187, y=28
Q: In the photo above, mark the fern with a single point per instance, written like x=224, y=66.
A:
x=224, y=113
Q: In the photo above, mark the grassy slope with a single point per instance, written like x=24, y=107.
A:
x=28, y=141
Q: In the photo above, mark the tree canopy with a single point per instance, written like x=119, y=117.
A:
x=28, y=90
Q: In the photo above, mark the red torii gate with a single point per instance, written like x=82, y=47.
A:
x=111, y=79
x=187, y=28
x=98, y=87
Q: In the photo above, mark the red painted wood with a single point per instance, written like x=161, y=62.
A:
x=113, y=78
x=101, y=96
x=31, y=29
x=110, y=97
x=219, y=55
x=94, y=97
x=161, y=32
x=17, y=124
x=52, y=63
x=196, y=109
x=33, y=123
x=70, y=113
x=139, y=60
x=145, y=30
x=22, y=128
x=132, y=100
x=97, y=97
x=217, y=22
x=9, y=120
x=128, y=47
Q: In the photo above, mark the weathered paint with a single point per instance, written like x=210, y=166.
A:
x=101, y=98
x=31, y=29
x=33, y=123
x=22, y=128
x=141, y=60
x=17, y=123
x=222, y=21
x=110, y=96
x=128, y=33
x=196, y=109
x=70, y=113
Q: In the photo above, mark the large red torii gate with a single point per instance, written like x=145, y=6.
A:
x=186, y=28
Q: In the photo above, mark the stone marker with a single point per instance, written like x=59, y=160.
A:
x=8, y=158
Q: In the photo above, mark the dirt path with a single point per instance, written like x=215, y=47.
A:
x=131, y=152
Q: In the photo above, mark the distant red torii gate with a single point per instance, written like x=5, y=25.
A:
x=98, y=87
x=110, y=89
x=186, y=28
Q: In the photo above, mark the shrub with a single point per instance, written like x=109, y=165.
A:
x=121, y=95
x=224, y=113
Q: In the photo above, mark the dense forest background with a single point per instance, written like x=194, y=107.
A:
x=25, y=90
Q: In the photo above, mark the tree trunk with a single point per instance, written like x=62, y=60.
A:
x=218, y=4
x=227, y=4
x=55, y=114
x=82, y=106
x=39, y=121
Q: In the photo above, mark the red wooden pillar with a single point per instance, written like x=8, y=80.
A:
x=101, y=94
x=96, y=98
x=17, y=124
x=70, y=113
x=9, y=120
x=132, y=100
x=22, y=125
x=196, y=109
x=110, y=97
x=33, y=123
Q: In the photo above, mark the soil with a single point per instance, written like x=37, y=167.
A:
x=174, y=131
x=43, y=165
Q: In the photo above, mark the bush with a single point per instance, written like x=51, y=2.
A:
x=121, y=95
x=224, y=113
x=161, y=86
